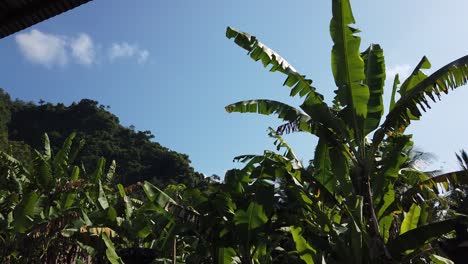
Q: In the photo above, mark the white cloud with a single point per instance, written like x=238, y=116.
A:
x=42, y=48
x=403, y=70
x=125, y=50
x=52, y=50
x=82, y=49
x=143, y=56
x=121, y=50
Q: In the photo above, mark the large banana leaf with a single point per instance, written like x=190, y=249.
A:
x=26, y=210
x=374, y=67
x=440, y=260
x=416, y=76
x=396, y=82
x=226, y=255
x=253, y=218
x=11, y=163
x=47, y=152
x=313, y=104
x=420, y=236
x=446, y=179
x=411, y=219
x=321, y=113
x=44, y=175
x=111, y=172
x=449, y=77
x=385, y=223
x=258, y=51
x=348, y=68
x=306, y=252
x=61, y=159
x=297, y=119
x=98, y=173
x=154, y=194
x=75, y=151
x=102, y=197
x=456, y=177
x=110, y=251
x=394, y=155
x=387, y=200
x=323, y=167
x=331, y=170
x=266, y=107
x=281, y=168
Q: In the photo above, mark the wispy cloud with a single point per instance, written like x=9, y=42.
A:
x=82, y=49
x=403, y=71
x=41, y=48
x=126, y=50
x=143, y=56
x=58, y=50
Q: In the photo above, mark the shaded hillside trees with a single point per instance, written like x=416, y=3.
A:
x=15, y=148
x=138, y=157
x=4, y=116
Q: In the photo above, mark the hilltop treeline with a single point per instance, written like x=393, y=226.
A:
x=137, y=155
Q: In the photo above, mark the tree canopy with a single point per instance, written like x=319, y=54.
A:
x=139, y=157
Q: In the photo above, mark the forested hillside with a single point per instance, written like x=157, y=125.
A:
x=138, y=158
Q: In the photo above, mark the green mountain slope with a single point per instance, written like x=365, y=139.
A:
x=138, y=158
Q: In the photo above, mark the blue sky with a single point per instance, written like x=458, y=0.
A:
x=167, y=67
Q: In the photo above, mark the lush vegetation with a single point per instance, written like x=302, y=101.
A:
x=361, y=200
x=139, y=158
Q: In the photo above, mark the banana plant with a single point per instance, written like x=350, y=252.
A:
x=46, y=206
x=37, y=207
x=359, y=152
x=245, y=219
x=241, y=220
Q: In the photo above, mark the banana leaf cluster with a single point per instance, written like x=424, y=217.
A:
x=358, y=195
x=56, y=212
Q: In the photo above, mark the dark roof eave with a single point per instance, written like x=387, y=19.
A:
x=15, y=18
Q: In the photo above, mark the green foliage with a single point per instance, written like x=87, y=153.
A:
x=348, y=68
x=374, y=64
x=411, y=219
x=5, y=102
x=26, y=211
x=418, y=87
x=139, y=157
x=57, y=205
x=110, y=251
x=305, y=251
x=251, y=219
x=357, y=193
